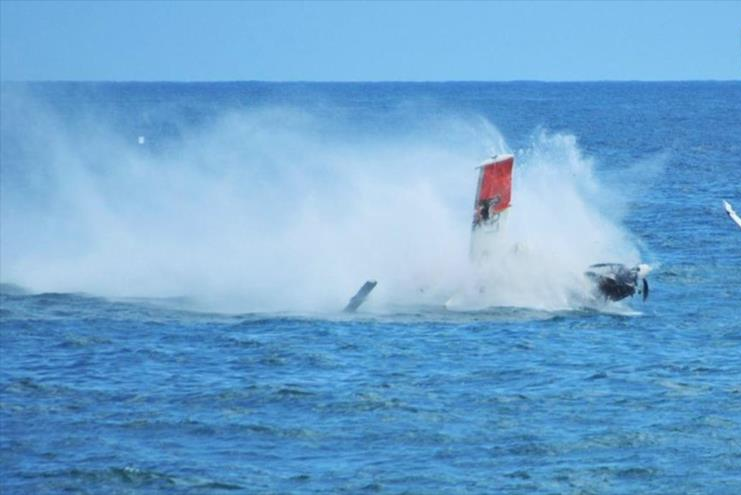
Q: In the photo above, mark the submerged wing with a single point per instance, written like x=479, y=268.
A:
x=360, y=296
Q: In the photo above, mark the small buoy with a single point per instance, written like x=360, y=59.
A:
x=141, y=140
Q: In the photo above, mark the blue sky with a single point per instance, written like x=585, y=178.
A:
x=364, y=41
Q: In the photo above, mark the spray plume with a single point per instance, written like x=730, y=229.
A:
x=278, y=209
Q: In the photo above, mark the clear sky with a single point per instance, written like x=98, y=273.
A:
x=369, y=41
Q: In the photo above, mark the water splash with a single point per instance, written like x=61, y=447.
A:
x=279, y=209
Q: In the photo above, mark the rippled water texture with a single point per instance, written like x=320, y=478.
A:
x=114, y=393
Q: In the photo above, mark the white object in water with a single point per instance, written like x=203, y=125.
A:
x=141, y=140
x=731, y=213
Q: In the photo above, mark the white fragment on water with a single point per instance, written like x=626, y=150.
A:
x=141, y=140
x=732, y=213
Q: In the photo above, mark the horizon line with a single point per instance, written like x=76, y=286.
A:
x=352, y=81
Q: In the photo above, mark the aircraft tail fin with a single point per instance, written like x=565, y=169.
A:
x=494, y=190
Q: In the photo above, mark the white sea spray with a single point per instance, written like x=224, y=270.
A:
x=280, y=209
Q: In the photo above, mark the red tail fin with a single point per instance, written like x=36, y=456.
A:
x=494, y=191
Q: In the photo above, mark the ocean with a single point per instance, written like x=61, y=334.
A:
x=175, y=258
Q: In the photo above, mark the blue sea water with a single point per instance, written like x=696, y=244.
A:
x=107, y=390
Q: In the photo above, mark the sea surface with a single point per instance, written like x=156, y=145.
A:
x=121, y=373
